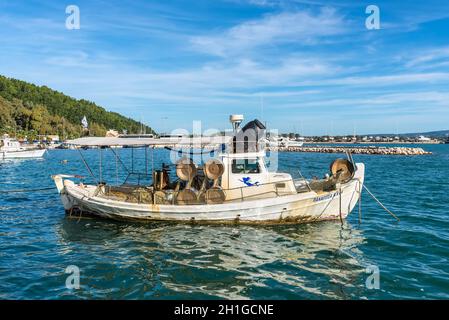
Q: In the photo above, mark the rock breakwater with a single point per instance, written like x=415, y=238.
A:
x=372, y=150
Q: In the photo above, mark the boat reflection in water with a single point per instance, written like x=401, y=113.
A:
x=163, y=260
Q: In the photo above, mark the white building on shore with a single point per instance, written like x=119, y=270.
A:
x=423, y=139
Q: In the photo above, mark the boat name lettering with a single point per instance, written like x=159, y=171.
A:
x=326, y=197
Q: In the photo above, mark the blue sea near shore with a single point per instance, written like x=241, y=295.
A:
x=324, y=260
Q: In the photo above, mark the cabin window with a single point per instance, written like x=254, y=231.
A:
x=245, y=166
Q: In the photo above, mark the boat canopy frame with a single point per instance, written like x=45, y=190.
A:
x=195, y=142
x=101, y=184
x=118, y=160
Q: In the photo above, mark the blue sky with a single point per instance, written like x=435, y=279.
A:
x=306, y=66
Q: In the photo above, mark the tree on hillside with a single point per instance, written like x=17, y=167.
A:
x=27, y=107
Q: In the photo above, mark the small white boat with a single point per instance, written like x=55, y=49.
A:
x=283, y=142
x=12, y=149
x=294, y=142
x=234, y=187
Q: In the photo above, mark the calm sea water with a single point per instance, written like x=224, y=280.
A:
x=159, y=260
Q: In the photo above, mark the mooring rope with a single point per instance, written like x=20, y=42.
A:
x=380, y=203
x=360, y=201
x=339, y=203
x=26, y=190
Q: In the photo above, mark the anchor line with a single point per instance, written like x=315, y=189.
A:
x=360, y=201
x=327, y=205
x=380, y=203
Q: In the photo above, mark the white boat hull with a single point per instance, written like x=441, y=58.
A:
x=22, y=154
x=296, y=208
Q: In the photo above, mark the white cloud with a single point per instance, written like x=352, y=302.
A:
x=381, y=80
x=401, y=99
x=303, y=27
x=265, y=3
x=71, y=59
x=242, y=75
x=425, y=58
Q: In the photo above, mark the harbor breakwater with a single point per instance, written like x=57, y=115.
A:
x=373, y=150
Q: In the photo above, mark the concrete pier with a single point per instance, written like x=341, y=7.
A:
x=372, y=150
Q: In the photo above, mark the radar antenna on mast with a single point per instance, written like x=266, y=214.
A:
x=236, y=120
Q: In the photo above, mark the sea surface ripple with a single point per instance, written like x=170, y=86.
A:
x=324, y=260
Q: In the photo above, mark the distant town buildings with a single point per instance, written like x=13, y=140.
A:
x=112, y=133
x=369, y=139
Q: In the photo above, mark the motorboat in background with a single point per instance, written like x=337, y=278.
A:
x=283, y=142
x=10, y=148
x=287, y=142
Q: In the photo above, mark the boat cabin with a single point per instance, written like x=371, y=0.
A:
x=9, y=144
x=246, y=175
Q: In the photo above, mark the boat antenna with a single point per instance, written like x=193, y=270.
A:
x=236, y=120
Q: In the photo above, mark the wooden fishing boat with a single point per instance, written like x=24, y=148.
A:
x=233, y=187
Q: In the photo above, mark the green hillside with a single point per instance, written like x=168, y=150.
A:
x=27, y=109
